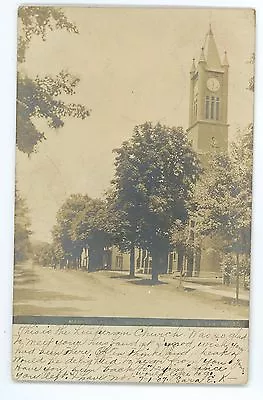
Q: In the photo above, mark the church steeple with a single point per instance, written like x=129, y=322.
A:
x=211, y=53
x=208, y=103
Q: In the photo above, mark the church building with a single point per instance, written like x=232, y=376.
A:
x=208, y=127
x=208, y=131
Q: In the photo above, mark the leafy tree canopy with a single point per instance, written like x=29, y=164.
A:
x=156, y=171
x=62, y=231
x=91, y=223
x=224, y=195
x=39, y=20
x=155, y=176
x=40, y=97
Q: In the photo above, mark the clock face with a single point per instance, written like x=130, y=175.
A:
x=213, y=84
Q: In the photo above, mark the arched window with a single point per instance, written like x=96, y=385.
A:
x=207, y=106
x=217, y=108
x=212, y=107
x=212, y=112
x=195, y=105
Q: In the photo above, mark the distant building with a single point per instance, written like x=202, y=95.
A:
x=115, y=260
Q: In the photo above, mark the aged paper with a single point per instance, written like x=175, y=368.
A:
x=133, y=194
x=133, y=354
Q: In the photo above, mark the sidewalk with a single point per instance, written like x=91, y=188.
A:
x=217, y=290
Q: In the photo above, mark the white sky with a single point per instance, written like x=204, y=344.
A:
x=134, y=66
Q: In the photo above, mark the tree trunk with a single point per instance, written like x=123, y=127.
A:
x=170, y=263
x=159, y=263
x=237, y=279
x=197, y=261
x=180, y=266
x=190, y=263
x=95, y=257
x=155, y=267
x=163, y=261
x=74, y=262
x=180, y=260
x=132, y=262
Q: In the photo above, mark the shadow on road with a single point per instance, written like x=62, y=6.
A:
x=22, y=294
x=22, y=282
x=149, y=282
x=128, y=277
x=24, y=277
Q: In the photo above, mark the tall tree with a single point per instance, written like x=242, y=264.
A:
x=47, y=256
x=67, y=248
x=40, y=97
x=156, y=171
x=122, y=231
x=89, y=228
x=22, y=229
x=224, y=198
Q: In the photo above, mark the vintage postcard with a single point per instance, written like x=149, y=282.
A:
x=133, y=194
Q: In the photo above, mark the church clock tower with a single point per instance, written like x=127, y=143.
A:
x=208, y=132
x=208, y=128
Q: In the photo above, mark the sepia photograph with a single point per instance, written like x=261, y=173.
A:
x=134, y=154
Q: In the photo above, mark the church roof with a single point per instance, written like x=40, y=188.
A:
x=211, y=53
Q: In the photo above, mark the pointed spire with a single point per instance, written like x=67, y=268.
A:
x=193, y=67
x=202, y=55
x=212, y=56
x=225, y=60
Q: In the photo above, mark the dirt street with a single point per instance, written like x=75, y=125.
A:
x=45, y=291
